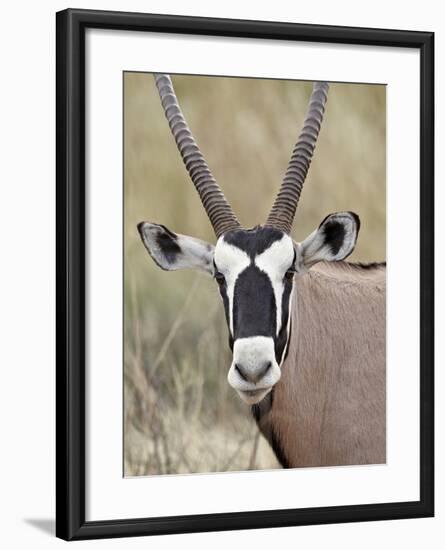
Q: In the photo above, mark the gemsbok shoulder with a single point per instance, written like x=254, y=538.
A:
x=306, y=328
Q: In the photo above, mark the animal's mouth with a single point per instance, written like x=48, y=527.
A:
x=252, y=397
x=254, y=370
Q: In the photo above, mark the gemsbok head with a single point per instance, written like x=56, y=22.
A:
x=257, y=270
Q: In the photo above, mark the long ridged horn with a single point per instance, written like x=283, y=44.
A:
x=218, y=209
x=283, y=211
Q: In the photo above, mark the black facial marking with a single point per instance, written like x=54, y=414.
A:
x=254, y=308
x=253, y=241
x=283, y=336
x=231, y=342
x=288, y=336
x=223, y=291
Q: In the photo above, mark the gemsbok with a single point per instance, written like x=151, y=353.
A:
x=306, y=328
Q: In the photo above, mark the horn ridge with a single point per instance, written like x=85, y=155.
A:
x=218, y=210
x=283, y=210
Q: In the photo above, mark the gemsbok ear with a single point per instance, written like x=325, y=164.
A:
x=334, y=239
x=172, y=251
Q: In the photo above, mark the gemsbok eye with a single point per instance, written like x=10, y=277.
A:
x=289, y=275
x=219, y=277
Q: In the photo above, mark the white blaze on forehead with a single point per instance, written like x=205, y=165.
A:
x=230, y=261
x=275, y=261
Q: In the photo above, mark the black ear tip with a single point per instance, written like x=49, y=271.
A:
x=357, y=220
x=140, y=227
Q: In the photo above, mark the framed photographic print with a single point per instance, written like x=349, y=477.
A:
x=244, y=274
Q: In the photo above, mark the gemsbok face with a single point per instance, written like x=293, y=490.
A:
x=256, y=270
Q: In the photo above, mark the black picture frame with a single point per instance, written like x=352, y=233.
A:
x=70, y=229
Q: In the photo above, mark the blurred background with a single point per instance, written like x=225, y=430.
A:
x=180, y=414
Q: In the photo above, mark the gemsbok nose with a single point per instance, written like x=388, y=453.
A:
x=254, y=370
x=253, y=373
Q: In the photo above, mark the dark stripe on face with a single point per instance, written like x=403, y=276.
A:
x=288, y=336
x=253, y=241
x=254, y=308
x=225, y=299
x=281, y=340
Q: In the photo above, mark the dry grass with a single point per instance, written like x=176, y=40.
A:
x=180, y=414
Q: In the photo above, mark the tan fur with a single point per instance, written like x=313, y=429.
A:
x=329, y=406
